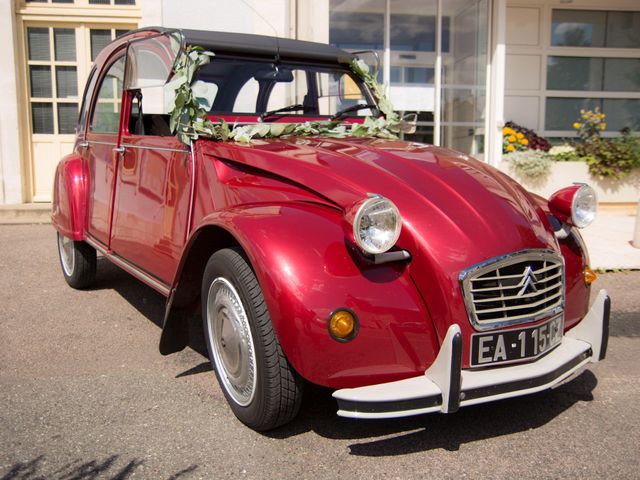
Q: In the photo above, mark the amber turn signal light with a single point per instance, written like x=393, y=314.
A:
x=589, y=276
x=343, y=325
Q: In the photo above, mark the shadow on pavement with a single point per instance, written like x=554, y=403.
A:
x=434, y=431
x=146, y=300
x=79, y=470
x=397, y=436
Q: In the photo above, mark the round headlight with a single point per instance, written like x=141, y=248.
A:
x=376, y=226
x=584, y=206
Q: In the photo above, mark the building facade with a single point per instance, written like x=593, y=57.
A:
x=464, y=66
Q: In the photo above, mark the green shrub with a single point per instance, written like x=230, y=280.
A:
x=611, y=158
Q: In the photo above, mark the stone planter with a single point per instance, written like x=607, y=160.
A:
x=563, y=174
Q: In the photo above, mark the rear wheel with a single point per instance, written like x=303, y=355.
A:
x=261, y=387
x=78, y=262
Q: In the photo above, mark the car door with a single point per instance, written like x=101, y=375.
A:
x=152, y=191
x=100, y=146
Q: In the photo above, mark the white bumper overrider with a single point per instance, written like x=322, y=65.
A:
x=445, y=386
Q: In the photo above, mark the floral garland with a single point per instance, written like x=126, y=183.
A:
x=189, y=104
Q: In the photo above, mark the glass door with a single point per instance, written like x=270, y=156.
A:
x=413, y=55
x=464, y=80
x=443, y=81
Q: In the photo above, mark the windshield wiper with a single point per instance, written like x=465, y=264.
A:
x=290, y=108
x=352, y=108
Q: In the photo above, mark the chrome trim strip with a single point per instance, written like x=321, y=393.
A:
x=129, y=268
x=469, y=274
x=192, y=194
x=161, y=149
x=97, y=244
x=111, y=144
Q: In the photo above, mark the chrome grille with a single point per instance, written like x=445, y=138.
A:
x=518, y=288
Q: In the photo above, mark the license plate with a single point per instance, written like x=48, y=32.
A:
x=509, y=346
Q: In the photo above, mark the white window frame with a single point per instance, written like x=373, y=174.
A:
x=549, y=50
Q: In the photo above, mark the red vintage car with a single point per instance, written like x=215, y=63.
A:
x=408, y=277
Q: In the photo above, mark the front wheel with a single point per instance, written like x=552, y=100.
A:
x=261, y=387
x=78, y=262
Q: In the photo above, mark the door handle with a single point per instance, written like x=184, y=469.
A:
x=83, y=144
x=119, y=150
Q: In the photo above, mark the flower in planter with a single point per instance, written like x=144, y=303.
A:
x=517, y=138
x=606, y=157
x=591, y=125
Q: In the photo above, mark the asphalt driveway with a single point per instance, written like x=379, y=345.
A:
x=85, y=394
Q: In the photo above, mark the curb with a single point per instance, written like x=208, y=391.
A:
x=25, y=213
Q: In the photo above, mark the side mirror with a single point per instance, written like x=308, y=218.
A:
x=409, y=123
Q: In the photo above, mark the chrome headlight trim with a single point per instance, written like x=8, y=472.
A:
x=368, y=207
x=584, y=206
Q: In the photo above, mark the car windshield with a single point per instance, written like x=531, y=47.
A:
x=250, y=87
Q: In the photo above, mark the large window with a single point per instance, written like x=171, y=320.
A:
x=53, y=79
x=595, y=28
x=443, y=82
x=593, y=61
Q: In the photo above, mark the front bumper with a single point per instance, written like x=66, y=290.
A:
x=445, y=387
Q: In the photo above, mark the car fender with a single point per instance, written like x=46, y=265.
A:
x=307, y=269
x=68, y=209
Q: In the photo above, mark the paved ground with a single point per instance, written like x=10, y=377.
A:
x=609, y=241
x=85, y=394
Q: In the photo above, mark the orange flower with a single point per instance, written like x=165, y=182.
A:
x=519, y=135
x=510, y=148
x=524, y=141
x=511, y=138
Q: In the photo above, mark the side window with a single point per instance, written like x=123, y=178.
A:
x=286, y=93
x=246, y=100
x=106, y=110
x=86, y=100
x=148, y=114
x=337, y=91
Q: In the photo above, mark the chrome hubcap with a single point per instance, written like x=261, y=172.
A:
x=65, y=247
x=231, y=341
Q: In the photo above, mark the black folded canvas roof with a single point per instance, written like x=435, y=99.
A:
x=261, y=45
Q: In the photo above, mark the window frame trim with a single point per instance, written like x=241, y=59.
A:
x=118, y=54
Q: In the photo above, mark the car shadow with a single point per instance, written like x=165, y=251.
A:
x=376, y=437
x=147, y=301
x=400, y=436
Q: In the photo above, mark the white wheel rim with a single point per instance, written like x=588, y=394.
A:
x=67, y=258
x=231, y=342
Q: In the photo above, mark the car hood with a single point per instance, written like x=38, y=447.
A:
x=456, y=211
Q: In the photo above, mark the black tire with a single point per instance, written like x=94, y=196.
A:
x=78, y=262
x=271, y=395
